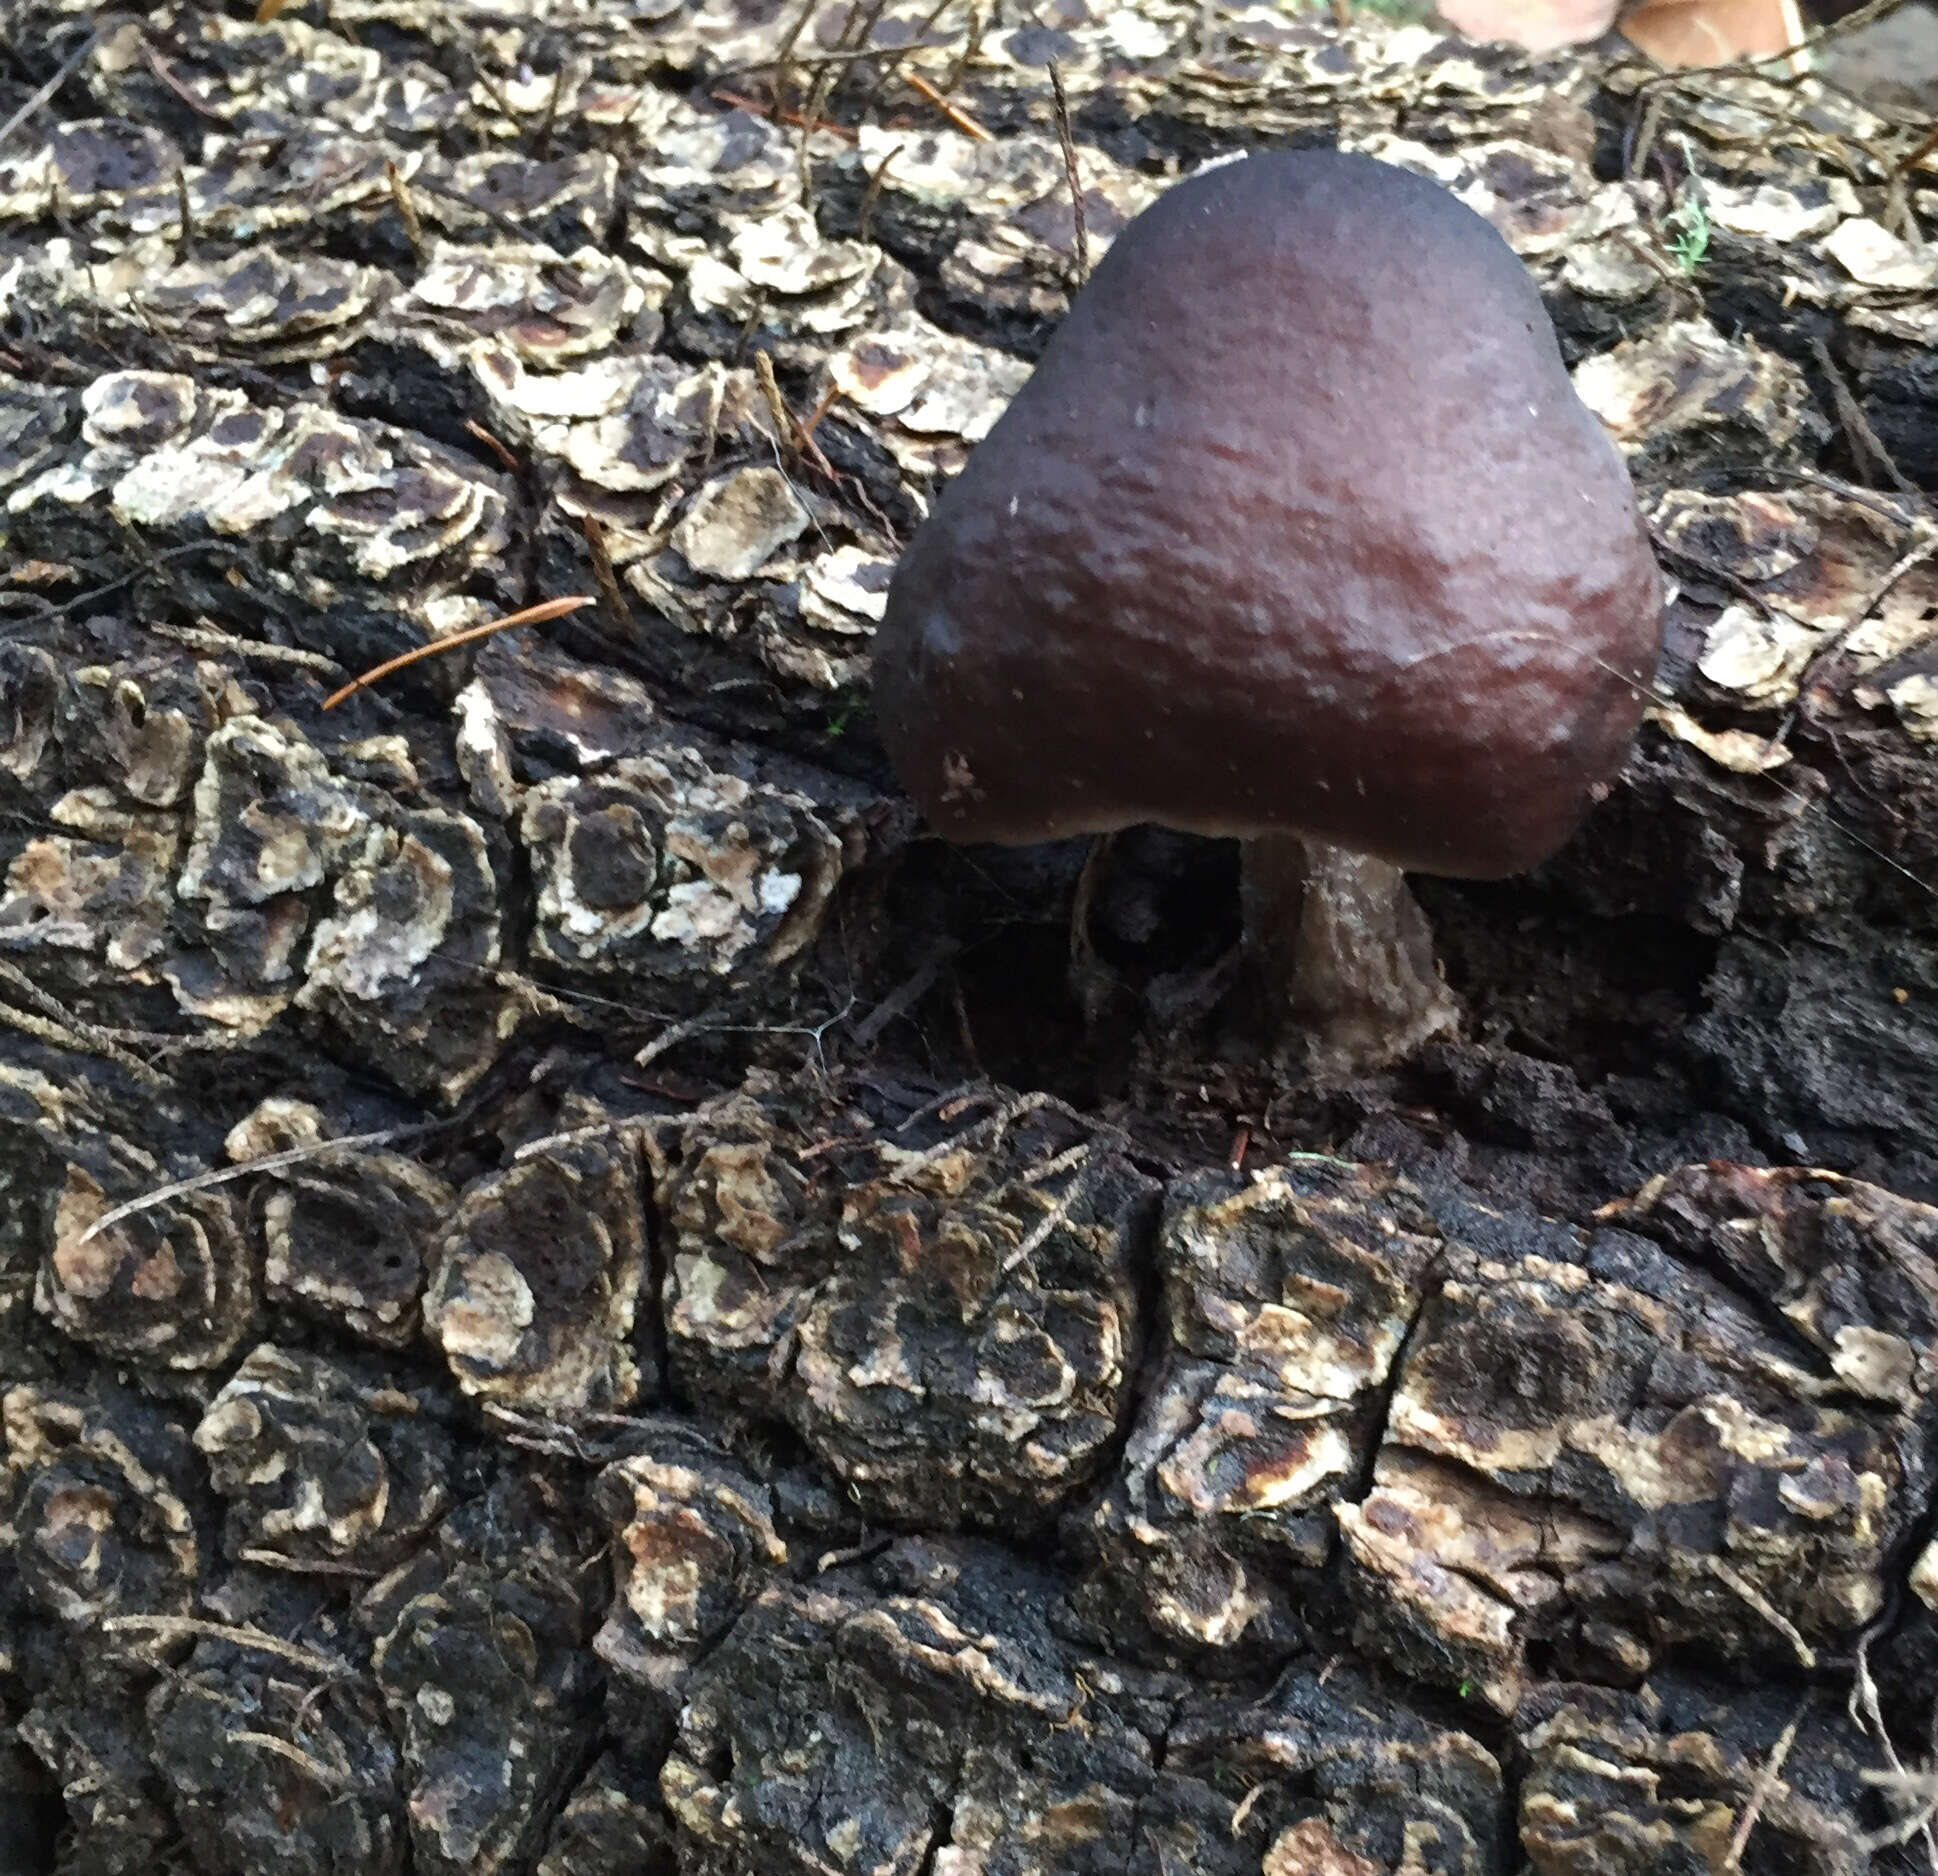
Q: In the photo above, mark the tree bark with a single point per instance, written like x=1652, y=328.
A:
x=573, y=1297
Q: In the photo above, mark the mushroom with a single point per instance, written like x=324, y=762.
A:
x=1297, y=533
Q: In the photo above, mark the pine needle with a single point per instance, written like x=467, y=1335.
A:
x=530, y=615
x=953, y=112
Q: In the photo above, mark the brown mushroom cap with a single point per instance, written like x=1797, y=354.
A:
x=1299, y=525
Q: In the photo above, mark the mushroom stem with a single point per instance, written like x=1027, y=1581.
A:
x=1345, y=952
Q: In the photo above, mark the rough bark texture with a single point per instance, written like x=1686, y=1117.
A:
x=813, y=1352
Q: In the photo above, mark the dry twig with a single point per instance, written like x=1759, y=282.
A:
x=872, y=193
x=1766, y=1779
x=269, y=1163
x=159, y=67
x=792, y=433
x=1081, y=248
x=796, y=26
x=603, y=575
x=69, y=66
x=1868, y=451
x=406, y=211
x=237, y=1634
x=58, y=1025
x=492, y=443
x=1863, y=1710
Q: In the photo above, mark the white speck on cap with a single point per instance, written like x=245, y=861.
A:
x=1219, y=162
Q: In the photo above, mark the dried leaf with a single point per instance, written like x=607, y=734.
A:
x=1537, y=25
x=1712, y=32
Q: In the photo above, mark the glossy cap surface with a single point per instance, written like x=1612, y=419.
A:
x=1299, y=525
